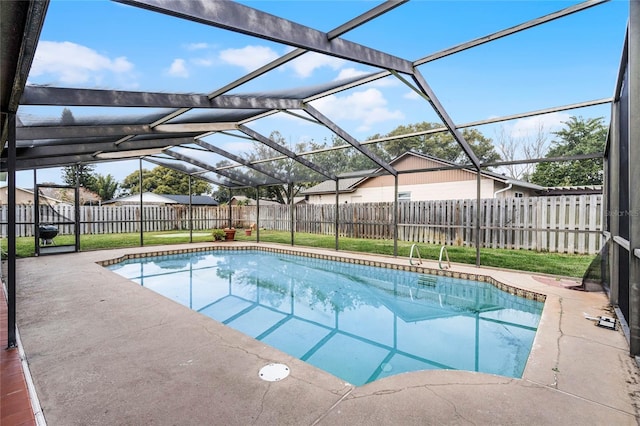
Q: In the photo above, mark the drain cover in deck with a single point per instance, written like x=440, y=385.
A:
x=274, y=372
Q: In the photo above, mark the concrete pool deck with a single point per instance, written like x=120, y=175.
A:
x=103, y=350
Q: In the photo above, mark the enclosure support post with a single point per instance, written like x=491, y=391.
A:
x=395, y=216
x=478, y=219
x=290, y=190
x=337, y=221
x=190, y=212
x=258, y=214
x=77, y=212
x=634, y=177
x=612, y=174
x=230, y=217
x=11, y=231
x=36, y=213
x=141, y=204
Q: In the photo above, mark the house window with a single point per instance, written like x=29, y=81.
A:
x=404, y=196
x=518, y=195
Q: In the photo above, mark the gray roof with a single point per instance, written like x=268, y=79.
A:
x=329, y=186
x=152, y=198
x=196, y=200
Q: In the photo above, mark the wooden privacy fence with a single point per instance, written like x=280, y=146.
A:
x=568, y=224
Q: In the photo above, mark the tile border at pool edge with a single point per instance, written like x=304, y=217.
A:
x=527, y=294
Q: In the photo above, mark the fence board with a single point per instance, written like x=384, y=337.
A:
x=566, y=224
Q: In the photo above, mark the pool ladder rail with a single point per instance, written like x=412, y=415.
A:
x=443, y=249
x=416, y=250
x=414, y=247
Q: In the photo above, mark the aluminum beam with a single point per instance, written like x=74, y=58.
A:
x=634, y=175
x=72, y=132
x=11, y=232
x=282, y=150
x=42, y=163
x=50, y=151
x=246, y=20
x=577, y=157
x=236, y=177
x=337, y=32
x=473, y=123
x=20, y=31
x=444, y=116
x=238, y=159
x=61, y=96
x=155, y=161
x=521, y=27
x=347, y=137
x=376, y=11
x=20, y=35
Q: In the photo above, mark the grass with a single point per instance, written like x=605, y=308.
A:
x=523, y=260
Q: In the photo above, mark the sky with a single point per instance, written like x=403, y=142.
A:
x=107, y=45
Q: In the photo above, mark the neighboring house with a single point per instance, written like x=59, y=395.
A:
x=450, y=184
x=149, y=198
x=26, y=196
x=246, y=201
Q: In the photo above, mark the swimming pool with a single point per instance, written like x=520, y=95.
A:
x=358, y=322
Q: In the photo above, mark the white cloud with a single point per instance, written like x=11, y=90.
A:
x=412, y=95
x=349, y=73
x=526, y=127
x=305, y=65
x=368, y=107
x=71, y=63
x=202, y=62
x=178, y=69
x=388, y=81
x=249, y=57
x=197, y=46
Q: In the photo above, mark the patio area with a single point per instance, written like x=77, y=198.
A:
x=103, y=350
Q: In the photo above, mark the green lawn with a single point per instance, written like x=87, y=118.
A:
x=524, y=260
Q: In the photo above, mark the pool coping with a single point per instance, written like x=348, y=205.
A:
x=511, y=289
x=165, y=363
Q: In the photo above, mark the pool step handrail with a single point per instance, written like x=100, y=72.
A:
x=443, y=249
x=417, y=250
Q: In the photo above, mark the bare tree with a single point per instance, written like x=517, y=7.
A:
x=531, y=146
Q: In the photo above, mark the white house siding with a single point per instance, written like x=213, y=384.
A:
x=434, y=191
x=331, y=198
x=453, y=184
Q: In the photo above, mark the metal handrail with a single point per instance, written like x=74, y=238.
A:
x=415, y=247
x=443, y=249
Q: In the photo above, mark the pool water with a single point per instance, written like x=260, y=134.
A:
x=359, y=323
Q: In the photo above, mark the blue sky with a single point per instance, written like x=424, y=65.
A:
x=101, y=44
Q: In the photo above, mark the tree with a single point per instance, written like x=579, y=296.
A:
x=524, y=148
x=342, y=160
x=67, y=117
x=105, y=186
x=162, y=180
x=287, y=169
x=441, y=145
x=84, y=174
x=581, y=136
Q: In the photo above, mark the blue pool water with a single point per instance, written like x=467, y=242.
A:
x=360, y=323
